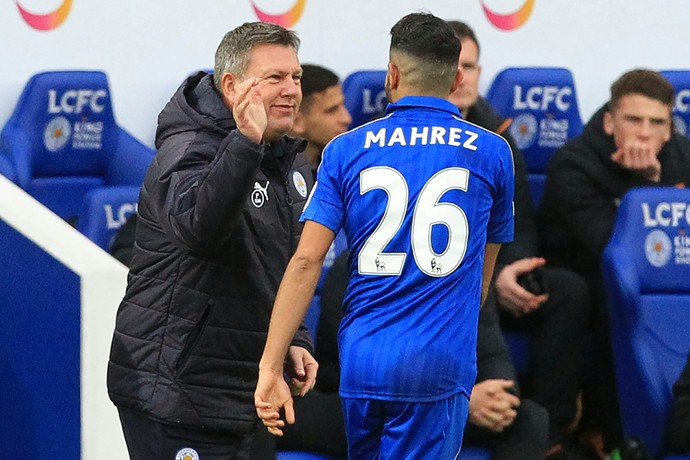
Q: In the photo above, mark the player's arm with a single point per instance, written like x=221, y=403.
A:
x=490, y=255
x=291, y=304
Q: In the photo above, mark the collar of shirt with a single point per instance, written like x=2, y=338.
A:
x=426, y=102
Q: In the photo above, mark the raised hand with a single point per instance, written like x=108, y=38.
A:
x=248, y=109
x=639, y=156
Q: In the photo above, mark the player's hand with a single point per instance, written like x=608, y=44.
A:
x=248, y=109
x=639, y=156
x=272, y=393
x=301, y=369
x=513, y=297
x=492, y=406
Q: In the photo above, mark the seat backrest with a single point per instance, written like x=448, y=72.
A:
x=680, y=79
x=63, y=125
x=646, y=267
x=365, y=95
x=106, y=210
x=6, y=168
x=542, y=103
x=62, y=141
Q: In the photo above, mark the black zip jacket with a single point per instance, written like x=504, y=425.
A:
x=584, y=188
x=218, y=222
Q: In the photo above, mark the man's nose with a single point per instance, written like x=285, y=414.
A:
x=645, y=129
x=345, y=117
x=291, y=88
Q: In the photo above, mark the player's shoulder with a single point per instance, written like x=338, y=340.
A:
x=486, y=134
x=492, y=144
x=354, y=135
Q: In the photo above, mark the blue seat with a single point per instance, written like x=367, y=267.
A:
x=6, y=168
x=680, y=79
x=542, y=103
x=107, y=209
x=646, y=267
x=62, y=141
x=365, y=95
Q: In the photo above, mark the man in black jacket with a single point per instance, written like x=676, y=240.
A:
x=628, y=143
x=217, y=224
x=556, y=321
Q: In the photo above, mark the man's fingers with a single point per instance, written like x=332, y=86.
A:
x=308, y=385
x=275, y=431
x=289, y=412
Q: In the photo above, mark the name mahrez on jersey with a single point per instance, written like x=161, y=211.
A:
x=426, y=135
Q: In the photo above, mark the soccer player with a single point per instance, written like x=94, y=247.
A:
x=425, y=200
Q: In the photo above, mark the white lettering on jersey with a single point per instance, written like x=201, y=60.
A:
x=415, y=135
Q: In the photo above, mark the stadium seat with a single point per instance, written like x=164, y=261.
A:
x=646, y=267
x=542, y=103
x=365, y=96
x=107, y=209
x=62, y=141
x=6, y=168
x=680, y=79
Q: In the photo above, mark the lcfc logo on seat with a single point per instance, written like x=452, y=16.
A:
x=657, y=248
x=75, y=100
x=57, y=133
x=524, y=130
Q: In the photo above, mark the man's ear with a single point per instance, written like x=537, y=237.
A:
x=608, y=123
x=393, y=76
x=227, y=85
x=458, y=79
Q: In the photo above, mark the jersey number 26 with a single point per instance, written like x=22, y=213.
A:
x=428, y=211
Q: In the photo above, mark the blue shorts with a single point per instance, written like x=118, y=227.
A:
x=382, y=430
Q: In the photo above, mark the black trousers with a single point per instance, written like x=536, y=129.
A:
x=319, y=426
x=151, y=440
x=526, y=439
x=559, y=331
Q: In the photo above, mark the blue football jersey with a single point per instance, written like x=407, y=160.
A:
x=419, y=193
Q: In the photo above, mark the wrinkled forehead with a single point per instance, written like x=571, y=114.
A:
x=269, y=56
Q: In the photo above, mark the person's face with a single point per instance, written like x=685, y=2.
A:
x=278, y=68
x=325, y=117
x=640, y=119
x=468, y=90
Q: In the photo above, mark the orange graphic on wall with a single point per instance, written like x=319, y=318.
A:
x=509, y=21
x=46, y=21
x=287, y=19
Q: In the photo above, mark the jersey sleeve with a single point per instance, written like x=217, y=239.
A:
x=325, y=205
x=500, y=229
